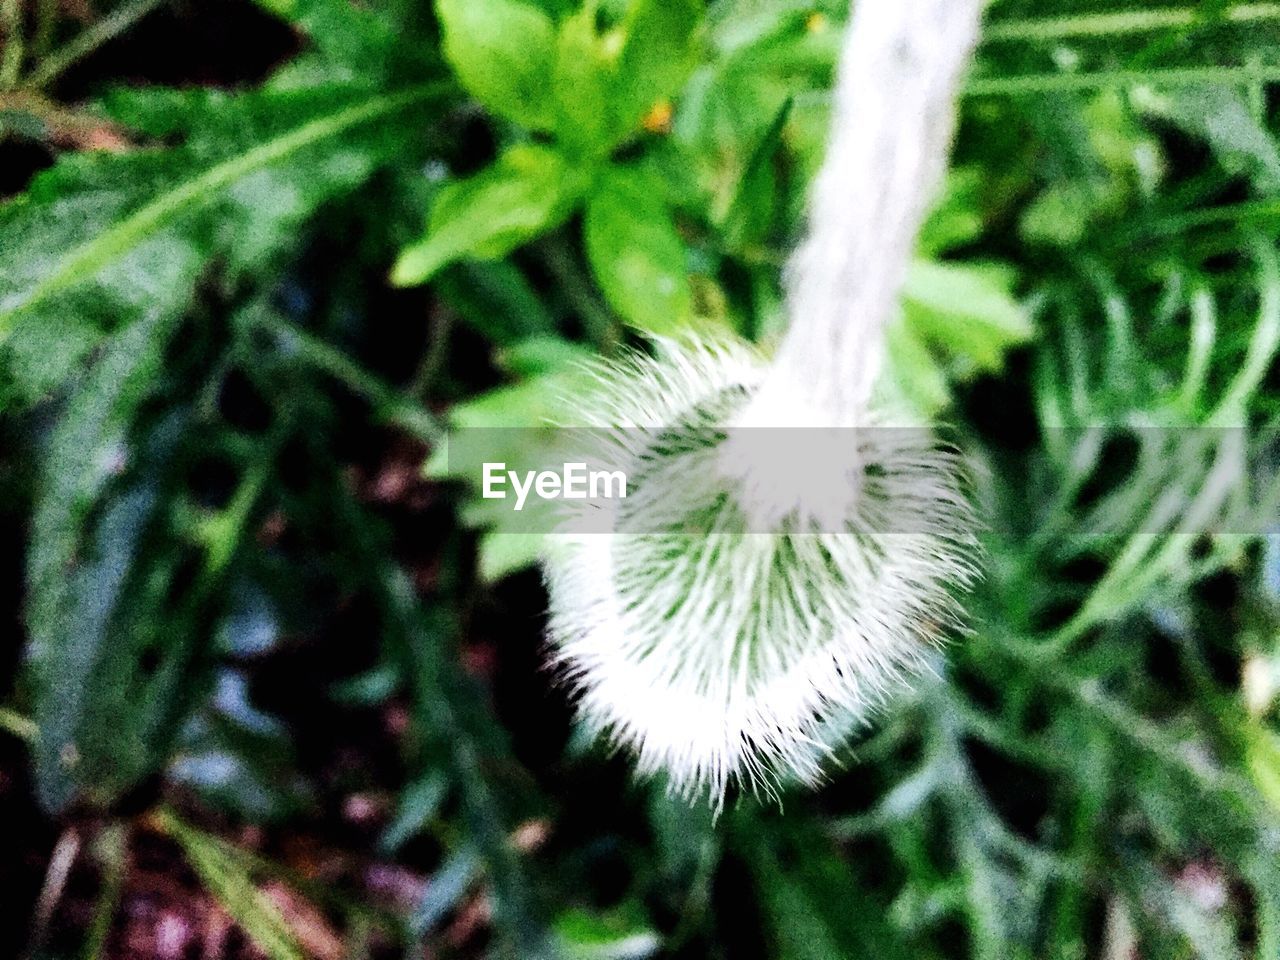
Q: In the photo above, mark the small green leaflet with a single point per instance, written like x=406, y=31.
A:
x=529, y=190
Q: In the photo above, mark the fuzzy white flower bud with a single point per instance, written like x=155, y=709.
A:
x=759, y=596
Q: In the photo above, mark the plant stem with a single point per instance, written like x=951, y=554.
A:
x=845, y=276
x=11, y=62
x=64, y=125
x=46, y=19
x=390, y=403
x=65, y=853
x=1123, y=22
x=88, y=40
x=109, y=849
x=601, y=325
x=440, y=326
x=1234, y=213
x=1072, y=82
x=18, y=725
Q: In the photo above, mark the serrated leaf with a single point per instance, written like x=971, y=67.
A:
x=113, y=670
x=352, y=35
x=503, y=51
x=101, y=239
x=83, y=453
x=124, y=573
x=529, y=190
x=636, y=253
x=120, y=614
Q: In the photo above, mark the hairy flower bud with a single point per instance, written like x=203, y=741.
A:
x=752, y=601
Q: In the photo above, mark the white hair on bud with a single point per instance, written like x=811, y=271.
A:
x=728, y=655
x=722, y=654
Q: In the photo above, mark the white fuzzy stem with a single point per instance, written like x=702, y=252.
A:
x=892, y=123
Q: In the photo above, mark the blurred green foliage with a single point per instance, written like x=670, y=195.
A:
x=206, y=329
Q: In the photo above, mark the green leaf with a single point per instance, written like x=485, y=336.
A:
x=532, y=402
x=620, y=934
x=636, y=253
x=585, y=72
x=352, y=35
x=445, y=890
x=1262, y=754
x=529, y=190
x=538, y=356
x=465, y=735
x=420, y=801
x=495, y=299
x=502, y=554
x=605, y=83
x=129, y=560
x=914, y=376
x=751, y=213
x=1061, y=215
x=100, y=721
x=101, y=239
x=814, y=905
x=658, y=54
x=503, y=51
x=511, y=424
x=955, y=219
x=966, y=311
x=1221, y=116
x=237, y=758
x=105, y=719
x=227, y=874
x=81, y=458
x=764, y=56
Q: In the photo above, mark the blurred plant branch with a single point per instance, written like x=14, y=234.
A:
x=1042, y=83
x=51, y=66
x=1120, y=22
x=38, y=117
x=389, y=403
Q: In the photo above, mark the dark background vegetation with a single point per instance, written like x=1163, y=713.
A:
x=271, y=688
